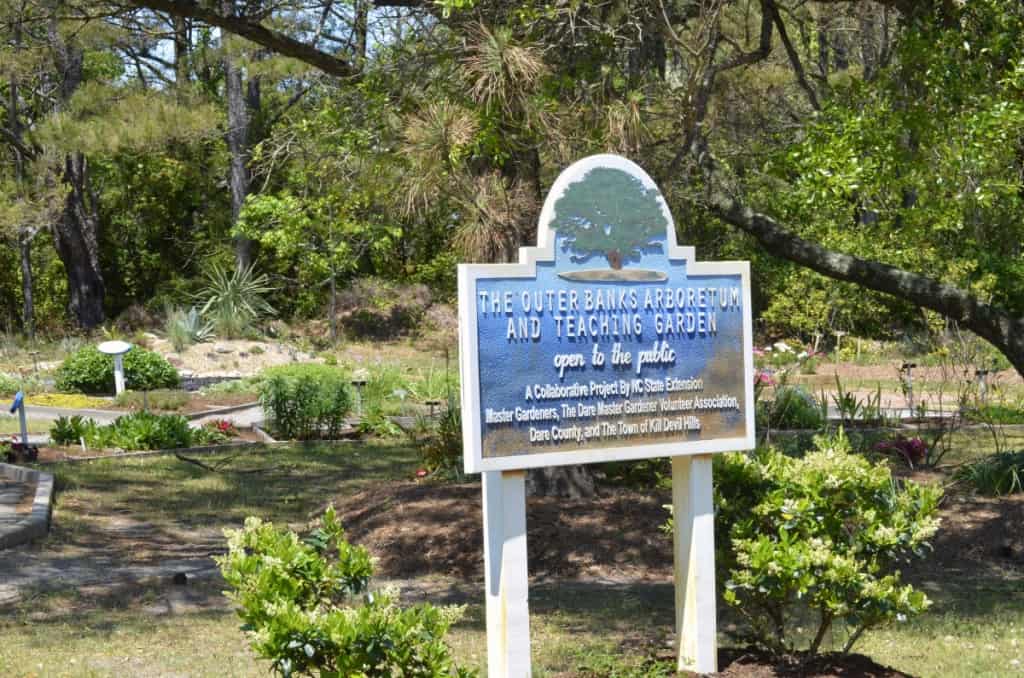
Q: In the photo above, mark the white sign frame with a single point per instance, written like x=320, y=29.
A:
x=529, y=257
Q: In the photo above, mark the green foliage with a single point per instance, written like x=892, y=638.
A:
x=996, y=475
x=609, y=213
x=441, y=445
x=823, y=533
x=68, y=431
x=233, y=301
x=852, y=408
x=160, y=399
x=377, y=309
x=996, y=414
x=304, y=402
x=184, y=328
x=792, y=407
x=376, y=422
x=89, y=371
x=135, y=431
x=9, y=385
x=297, y=598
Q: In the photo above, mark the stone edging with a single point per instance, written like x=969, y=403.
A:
x=36, y=523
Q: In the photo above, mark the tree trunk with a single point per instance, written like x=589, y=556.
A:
x=238, y=146
x=76, y=237
x=28, y=308
x=76, y=230
x=614, y=258
x=570, y=482
x=182, y=47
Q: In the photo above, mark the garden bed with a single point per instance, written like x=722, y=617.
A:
x=420, y=529
x=49, y=454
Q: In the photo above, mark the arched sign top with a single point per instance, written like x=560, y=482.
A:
x=611, y=186
x=115, y=347
x=607, y=340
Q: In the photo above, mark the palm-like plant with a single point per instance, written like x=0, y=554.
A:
x=234, y=300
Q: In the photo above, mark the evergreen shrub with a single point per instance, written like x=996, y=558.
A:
x=89, y=371
x=307, y=606
x=815, y=541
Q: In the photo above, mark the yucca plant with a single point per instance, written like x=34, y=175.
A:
x=233, y=300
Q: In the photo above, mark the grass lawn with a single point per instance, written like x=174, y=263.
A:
x=9, y=425
x=158, y=629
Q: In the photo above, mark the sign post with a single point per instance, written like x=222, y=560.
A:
x=606, y=342
x=18, y=405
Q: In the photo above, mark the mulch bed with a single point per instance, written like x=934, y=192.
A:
x=753, y=664
x=418, y=529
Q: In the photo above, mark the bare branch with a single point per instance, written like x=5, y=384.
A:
x=258, y=33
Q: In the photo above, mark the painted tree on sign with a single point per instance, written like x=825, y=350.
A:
x=609, y=213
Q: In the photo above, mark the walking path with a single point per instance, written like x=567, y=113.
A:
x=12, y=493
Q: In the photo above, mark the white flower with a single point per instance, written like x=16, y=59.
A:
x=901, y=617
x=802, y=355
x=783, y=346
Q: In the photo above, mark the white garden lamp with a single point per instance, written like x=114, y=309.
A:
x=116, y=349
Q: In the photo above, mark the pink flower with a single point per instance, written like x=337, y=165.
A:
x=421, y=473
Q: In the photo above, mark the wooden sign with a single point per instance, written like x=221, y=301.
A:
x=607, y=341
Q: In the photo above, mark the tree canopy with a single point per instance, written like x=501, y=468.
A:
x=867, y=156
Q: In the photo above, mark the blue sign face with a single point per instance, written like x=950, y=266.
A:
x=608, y=341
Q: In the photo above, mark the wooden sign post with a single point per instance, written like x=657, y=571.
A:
x=606, y=342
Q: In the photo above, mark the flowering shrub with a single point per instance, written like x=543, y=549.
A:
x=912, y=451
x=297, y=599
x=822, y=532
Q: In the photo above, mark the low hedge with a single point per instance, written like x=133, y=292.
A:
x=89, y=371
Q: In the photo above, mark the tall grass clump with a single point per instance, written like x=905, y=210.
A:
x=995, y=475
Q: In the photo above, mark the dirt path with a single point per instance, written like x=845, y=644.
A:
x=108, y=552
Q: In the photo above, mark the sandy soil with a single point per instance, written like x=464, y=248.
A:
x=239, y=357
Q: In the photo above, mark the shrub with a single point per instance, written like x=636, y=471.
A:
x=303, y=402
x=295, y=597
x=995, y=475
x=823, y=532
x=214, y=432
x=67, y=431
x=793, y=407
x=89, y=371
x=145, y=431
x=9, y=385
x=372, y=308
x=911, y=451
x=161, y=399
x=441, y=447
